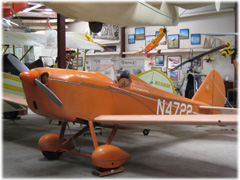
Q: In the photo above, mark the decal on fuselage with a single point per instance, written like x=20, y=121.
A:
x=173, y=107
x=139, y=89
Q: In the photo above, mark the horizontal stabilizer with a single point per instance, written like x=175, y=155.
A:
x=223, y=110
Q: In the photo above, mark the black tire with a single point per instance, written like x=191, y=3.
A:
x=10, y=115
x=51, y=155
x=146, y=132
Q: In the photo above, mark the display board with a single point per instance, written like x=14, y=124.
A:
x=134, y=66
x=158, y=79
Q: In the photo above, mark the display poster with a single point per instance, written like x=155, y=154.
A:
x=134, y=66
x=50, y=39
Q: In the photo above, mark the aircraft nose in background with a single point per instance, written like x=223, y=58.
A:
x=29, y=76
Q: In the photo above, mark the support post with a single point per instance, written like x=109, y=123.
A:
x=94, y=137
x=61, y=37
x=5, y=50
x=77, y=57
x=123, y=42
x=236, y=43
x=110, y=138
x=26, y=53
x=14, y=49
x=61, y=135
x=84, y=61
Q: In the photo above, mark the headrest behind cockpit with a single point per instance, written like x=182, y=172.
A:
x=125, y=79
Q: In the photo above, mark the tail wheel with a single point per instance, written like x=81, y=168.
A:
x=146, y=132
x=51, y=155
x=148, y=55
x=159, y=51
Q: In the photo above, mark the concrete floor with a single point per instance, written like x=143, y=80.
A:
x=171, y=152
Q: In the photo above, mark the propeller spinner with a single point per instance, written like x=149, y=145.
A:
x=22, y=68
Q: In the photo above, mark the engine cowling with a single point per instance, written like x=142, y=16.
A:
x=109, y=156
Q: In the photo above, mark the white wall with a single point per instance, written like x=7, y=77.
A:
x=223, y=22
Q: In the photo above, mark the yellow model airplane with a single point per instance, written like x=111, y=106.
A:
x=227, y=51
x=154, y=43
x=100, y=99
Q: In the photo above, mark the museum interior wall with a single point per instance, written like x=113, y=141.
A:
x=210, y=22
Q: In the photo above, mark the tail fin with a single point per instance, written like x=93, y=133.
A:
x=212, y=90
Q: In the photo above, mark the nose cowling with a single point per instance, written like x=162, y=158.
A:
x=29, y=76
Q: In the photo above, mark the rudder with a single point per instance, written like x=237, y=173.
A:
x=212, y=90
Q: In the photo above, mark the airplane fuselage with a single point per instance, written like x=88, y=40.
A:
x=86, y=95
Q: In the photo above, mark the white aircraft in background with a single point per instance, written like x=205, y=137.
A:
x=73, y=40
x=126, y=13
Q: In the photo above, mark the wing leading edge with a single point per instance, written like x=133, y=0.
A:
x=13, y=98
x=133, y=121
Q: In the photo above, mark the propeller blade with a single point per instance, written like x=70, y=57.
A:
x=48, y=92
x=17, y=63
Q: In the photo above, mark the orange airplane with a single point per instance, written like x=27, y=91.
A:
x=100, y=99
x=154, y=43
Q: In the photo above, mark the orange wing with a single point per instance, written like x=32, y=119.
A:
x=13, y=98
x=155, y=121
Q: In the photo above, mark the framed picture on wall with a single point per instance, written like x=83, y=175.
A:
x=184, y=33
x=148, y=39
x=159, y=60
x=195, y=39
x=131, y=39
x=174, y=76
x=140, y=33
x=173, y=61
x=197, y=62
x=173, y=41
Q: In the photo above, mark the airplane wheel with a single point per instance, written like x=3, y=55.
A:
x=146, y=132
x=51, y=155
x=148, y=55
x=159, y=51
x=10, y=115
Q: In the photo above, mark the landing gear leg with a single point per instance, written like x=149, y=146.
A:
x=108, y=158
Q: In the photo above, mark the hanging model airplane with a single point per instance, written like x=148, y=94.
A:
x=100, y=99
x=223, y=46
x=154, y=43
x=10, y=9
x=90, y=39
x=38, y=39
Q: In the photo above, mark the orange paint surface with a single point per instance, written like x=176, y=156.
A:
x=86, y=95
